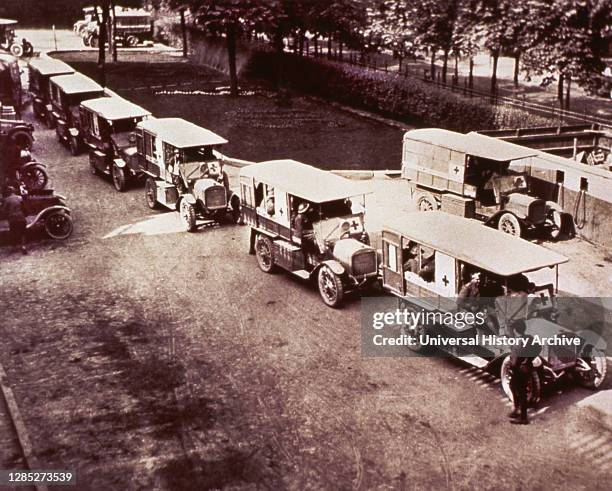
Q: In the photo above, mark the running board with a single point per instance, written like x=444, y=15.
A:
x=476, y=361
x=302, y=273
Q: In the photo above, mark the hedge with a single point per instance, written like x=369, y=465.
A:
x=407, y=99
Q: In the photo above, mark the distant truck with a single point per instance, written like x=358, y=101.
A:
x=470, y=175
x=133, y=27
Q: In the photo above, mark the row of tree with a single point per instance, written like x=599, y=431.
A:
x=562, y=40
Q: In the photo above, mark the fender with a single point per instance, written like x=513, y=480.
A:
x=32, y=163
x=497, y=214
x=257, y=231
x=553, y=205
x=120, y=163
x=46, y=211
x=189, y=198
x=233, y=200
x=335, y=266
x=73, y=132
x=20, y=128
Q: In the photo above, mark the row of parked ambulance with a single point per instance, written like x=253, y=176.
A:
x=310, y=222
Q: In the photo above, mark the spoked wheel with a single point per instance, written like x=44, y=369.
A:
x=132, y=41
x=594, y=367
x=534, y=386
x=555, y=222
x=151, y=193
x=188, y=215
x=426, y=202
x=265, y=254
x=509, y=224
x=119, y=178
x=58, y=225
x=34, y=177
x=331, y=288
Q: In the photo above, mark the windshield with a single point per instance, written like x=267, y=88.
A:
x=123, y=125
x=198, y=154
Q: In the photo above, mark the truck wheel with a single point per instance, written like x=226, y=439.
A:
x=119, y=178
x=73, y=144
x=22, y=139
x=265, y=254
x=415, y=336
x=132, y=41
x=534, y=386
x=58, y=225
x=188, y=215
x=16, y=50
x=86, y=41
x=596, y=360
x=93, y=41
x=34, y=177
x=509, y=224
x=331, y=288
x=151, y=193
x=554, y=221
x=426, y=202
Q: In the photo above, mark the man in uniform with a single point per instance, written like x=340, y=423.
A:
x=521, y=372
x=302, y=227
x=14, y=210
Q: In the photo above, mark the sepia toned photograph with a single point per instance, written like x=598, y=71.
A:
x=305, y=245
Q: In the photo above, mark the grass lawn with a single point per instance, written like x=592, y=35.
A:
x=257, y=127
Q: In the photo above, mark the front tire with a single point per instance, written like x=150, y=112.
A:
x=151, y=194
x=119, y=178
x=188, y=215
x=58, y=225
x=73, y=144
x=23, y=140
x=534, y=386
x=509, y=224
x=594, y=378
x=264, y=251
x=331, y=287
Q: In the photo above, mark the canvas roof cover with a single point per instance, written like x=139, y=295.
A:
x=50, y=66
x=180, y=133
x=76, y=83
x=471, y=144
x=115, y=108
x=474, y=243
x=304, y=181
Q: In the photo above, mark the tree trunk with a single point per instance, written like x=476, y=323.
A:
x=114, y=32
x=560, y=90
x=102, y=43
x=401, y=59
x=231, y=54
x=567, y=93
x=341, y=47
x=517, y=61
x=471, y=75
x=444, y=66
x=494, y=74
x=432, y=67
x=184, y=33
x=457, y=67
x=316, y=45
x=329, y=47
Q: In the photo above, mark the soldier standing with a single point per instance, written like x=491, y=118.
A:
x=14, y=209
x=521, y=373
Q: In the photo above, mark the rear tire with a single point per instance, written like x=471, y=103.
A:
x=264, y=252
x=34, y=178
x=509, y=224
x=132, y=41
x=23, y=140
x=426, y=202
x=596, y=359
x=151, y=194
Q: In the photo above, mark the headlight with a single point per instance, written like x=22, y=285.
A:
x=537, y=362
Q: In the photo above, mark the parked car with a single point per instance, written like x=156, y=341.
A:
x=470, y=175
x=448, y=250
x=17, y=132
x=336, y=251
x=10, y=42
x=89, y=16
x=108, y=124
x=183, y=172
x=45, y=209
x=41, y=70
x=67, y=93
